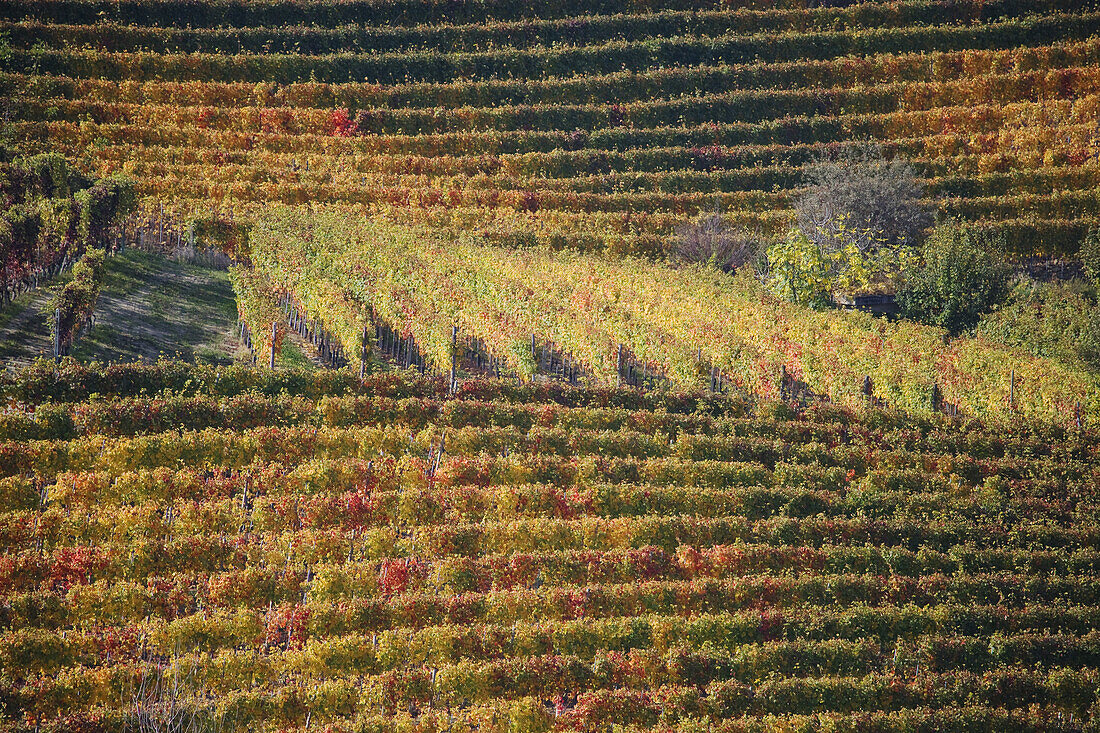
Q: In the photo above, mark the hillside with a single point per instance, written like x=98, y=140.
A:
x=289, y=551
x=641, y=366
x=591, y=125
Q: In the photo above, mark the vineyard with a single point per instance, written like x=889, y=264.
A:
x=550, y=404
x=280, y=550
x=385, y=292
x=597, y=126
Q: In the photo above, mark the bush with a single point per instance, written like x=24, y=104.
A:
x=798, y=272
x=1090, y=255
x=864, y=215
x=1088, y=348
x=962, y=276
x=856, y=197
x=710, y=240
x=1050, y=320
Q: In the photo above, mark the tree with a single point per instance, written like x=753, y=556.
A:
x=962, y=276
x=858, y=198
x=710, y=240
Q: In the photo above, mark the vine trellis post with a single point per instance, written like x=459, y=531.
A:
x=454, y=359
x=274, y=338
x=363, y=358
x=57, y=335
x=1012, y=390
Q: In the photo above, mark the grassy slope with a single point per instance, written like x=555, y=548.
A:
x=150, y=306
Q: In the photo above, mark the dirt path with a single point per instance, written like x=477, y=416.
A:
x=306, y=348
x=25, y=334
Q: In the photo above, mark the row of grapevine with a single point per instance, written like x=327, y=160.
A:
x=541, y=63
x=248, y=108
x=613, y=88
x=588, y=28
x=683, y=322
x=870, y=96
x=771, y=567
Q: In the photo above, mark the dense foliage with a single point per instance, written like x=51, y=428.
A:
x=593, y=126
x=1059, y=321
x=52, y=212
x=75, y=302
x=962, y=275
x=287, y=551
x=858, y=199
x=1090, y=256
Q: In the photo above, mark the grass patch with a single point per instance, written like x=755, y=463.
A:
x=292, y=357
x=150, y=306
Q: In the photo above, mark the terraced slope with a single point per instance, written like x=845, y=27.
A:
x=290, y=551
x=590, y=125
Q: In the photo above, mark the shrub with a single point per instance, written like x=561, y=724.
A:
x=864, y=215
x=1088, y=348
x=1090, y=255
x=710, y=240
x=1050, y=320
x=962, y=276
x=798, y=272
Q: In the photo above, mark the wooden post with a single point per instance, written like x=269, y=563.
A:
x=936, y=397
x=56, y=335
x=454, y=358
x=619, y=365
x=363, y=358
x=274, y=335
x=868, y=388
x=1077, y=412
